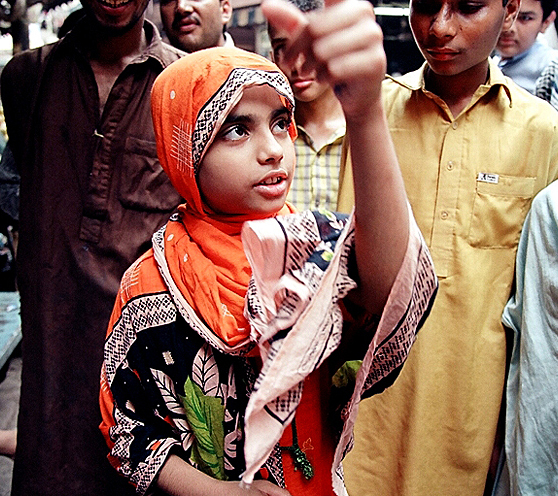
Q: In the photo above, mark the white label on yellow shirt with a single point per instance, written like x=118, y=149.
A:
x=485, y=177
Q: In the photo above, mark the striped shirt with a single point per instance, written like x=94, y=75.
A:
x=316, y=178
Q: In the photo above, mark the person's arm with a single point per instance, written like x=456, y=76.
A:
x=178, y=478
x=19, y=85
x=346, y=46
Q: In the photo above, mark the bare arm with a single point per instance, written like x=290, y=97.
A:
x=346, y=46
x=178, y=478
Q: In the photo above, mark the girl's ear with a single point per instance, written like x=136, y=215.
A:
x=512, y=9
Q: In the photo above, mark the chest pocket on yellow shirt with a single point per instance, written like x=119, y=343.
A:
x=499, y=211
x=144, y=185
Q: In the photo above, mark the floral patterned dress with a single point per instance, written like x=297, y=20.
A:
x=165, y=389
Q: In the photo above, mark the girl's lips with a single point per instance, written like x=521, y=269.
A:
x=273, y=185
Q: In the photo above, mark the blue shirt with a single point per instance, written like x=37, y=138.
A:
x=526, y=67
x=531, y=440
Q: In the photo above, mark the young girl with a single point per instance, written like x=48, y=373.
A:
x=241, y=343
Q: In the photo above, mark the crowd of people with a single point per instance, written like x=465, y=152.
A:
x=255, y=324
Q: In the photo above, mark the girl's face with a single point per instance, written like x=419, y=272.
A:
x=249, y=166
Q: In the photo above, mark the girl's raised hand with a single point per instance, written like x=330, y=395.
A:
x=343, y=42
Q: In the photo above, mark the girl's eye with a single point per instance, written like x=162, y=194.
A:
x=281, y=125
x=234, y=133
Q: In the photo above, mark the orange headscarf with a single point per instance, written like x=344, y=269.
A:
x=203, y=250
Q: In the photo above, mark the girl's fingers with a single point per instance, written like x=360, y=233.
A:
x=340, y=17
x=284, y=15
x=363, y=36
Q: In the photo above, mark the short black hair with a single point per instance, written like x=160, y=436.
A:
x=304, y=6
x=548, y=6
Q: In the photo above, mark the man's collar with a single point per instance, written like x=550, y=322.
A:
x=155, y=45
x=516, y=58
x=229, y=42
x=338, y=134
x=77, y=37
x=415, y=80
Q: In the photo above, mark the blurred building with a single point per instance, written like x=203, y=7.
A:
x=248, y=27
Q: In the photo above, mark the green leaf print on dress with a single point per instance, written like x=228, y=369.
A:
x=205, y=415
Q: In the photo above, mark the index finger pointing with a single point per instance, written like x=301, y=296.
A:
x=284, y=15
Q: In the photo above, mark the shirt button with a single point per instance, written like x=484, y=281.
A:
x=444, y=215
x=451, y=165
x=454, y=125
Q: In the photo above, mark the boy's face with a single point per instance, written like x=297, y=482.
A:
x=459, y=35
x=523, y=32
x=304, y=82
x=113, y=16
x=193, y=25
x=249, y=166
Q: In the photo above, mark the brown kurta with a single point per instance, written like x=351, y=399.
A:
x=92, y=194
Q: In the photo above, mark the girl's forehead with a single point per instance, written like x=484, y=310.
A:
x=260, y=97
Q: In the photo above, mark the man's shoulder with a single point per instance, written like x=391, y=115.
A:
x=167, y=54
x=28, y=61
x=544, y=53
x=158, y=49
x=20, y=80
x=407, y=82
x=171, y=51
x=396, y=91
x=530, y=108
x=547, y=196
x=543, y=217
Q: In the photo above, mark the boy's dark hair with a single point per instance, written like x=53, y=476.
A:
x=548, y=6
x=305, y=6
x=308, y=5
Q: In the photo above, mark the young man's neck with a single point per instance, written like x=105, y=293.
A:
x=320, y=117
x=109, y=56
x=458, y=90
x=113, y=49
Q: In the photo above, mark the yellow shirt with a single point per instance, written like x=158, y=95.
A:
x=470, y=181
x=316, y=177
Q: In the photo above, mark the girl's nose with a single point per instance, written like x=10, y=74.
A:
x=271, y=150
